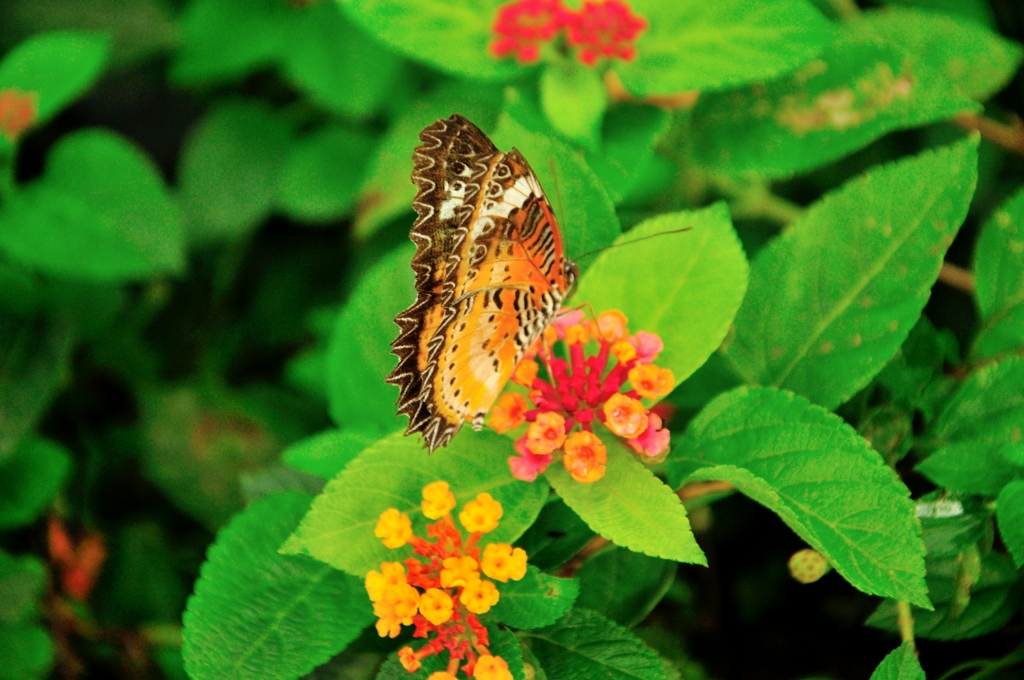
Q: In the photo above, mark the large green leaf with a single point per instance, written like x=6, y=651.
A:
x=586, y=214
x=978, y=61
x=574, y=98
x=900, y=664
x=993, y=601
x=999, y=275
x=536, y=600
x=978, y=432
x=27, y=653
x=22, y=580
x=695, y=45
x=327, y=453
x=320, y=179
x=59, y=66
x=391, y=474
x=858, y=90
x=556, y=537
x=451, y=35
x=623, y=585
x=259, y=614
x=630, y=506
x=359, y=355
x=628, y=137
x=585, y=645
x=833, y=298
x=387, y=191
x=29, y=480
x=1010, y=513
x=819, y=476
x=685, y=287
x=229, y=169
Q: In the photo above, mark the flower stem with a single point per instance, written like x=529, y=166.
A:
x=905, y=621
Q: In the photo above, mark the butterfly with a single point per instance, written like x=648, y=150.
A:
x=491, y=275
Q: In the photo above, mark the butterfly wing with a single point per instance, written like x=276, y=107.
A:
x=491, y=275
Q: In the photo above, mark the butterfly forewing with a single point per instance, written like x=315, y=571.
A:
x=490, y=277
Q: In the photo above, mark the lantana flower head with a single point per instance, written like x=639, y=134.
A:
x=600, y=29
x=446, y=585
x=606, y=387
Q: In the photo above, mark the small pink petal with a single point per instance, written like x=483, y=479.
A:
x=648, y=346
x=563, y=321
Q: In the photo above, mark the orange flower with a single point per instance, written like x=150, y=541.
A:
x=576, y=335
x=378, y=584
x=650, y=381
x=545, y=434
x=442, y=675
x=510, y=412
x=479, y=596
x=393, y=528
x=626, y=416
x=612, y=325
x=458, y=571
x=481, y=514
x=623, y=351
x=585, y=457
x=438, y=501
x=503, y=562
x=408, y=659
x=436, y=606
x=525, y=371
x=491, y=668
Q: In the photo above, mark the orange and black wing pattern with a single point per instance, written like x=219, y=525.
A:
x=491, y=274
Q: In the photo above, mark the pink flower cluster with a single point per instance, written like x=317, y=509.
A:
x=605, y=28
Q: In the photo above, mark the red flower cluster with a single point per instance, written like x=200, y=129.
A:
x=583, y=390
x=607, y=28
x=18, y=111
x=79, y=565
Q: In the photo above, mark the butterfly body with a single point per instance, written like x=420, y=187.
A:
x=491, y=274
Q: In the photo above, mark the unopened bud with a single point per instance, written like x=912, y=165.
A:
x=807, y=565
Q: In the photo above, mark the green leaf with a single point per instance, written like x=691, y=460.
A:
x=819, y=476
x=34, y=355
x=141, y=584
x=628, y=138
x=574, y=99
x=684, y=287
x=391, y=474
x=250, y=601
x=978, y=61
x=993, y=601
x=29, y=480
x=857, y=91
x=900, y=664
x=623, y=585
x=359, y=355
x=327, y=453
x=229, y=169
x=22, y=581
x=833, y=298
x=978, y=431
x=556, y=536
x=536, y=600
x=586, y=214
x=387, y=192
x=59, y=66
x=630, y=507
x=999, y=276
x=320, y=179
x=338, y=64
x=392, y=668
x=976, y=11
x=1010, y=513
x=27, y=652
x=951, y=524
x=585, y=645
x=452, y=36
x=694, y=45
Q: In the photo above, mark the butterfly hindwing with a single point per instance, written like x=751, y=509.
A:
x=490, y=272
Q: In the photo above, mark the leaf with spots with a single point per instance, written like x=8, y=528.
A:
x=832, y=299
x=858, y=90
x=338, y=529
x=999, y=272
x=822, y=479
x=536, y=600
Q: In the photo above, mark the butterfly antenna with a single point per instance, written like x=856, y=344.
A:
x=636, y=240
x=558, y=193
